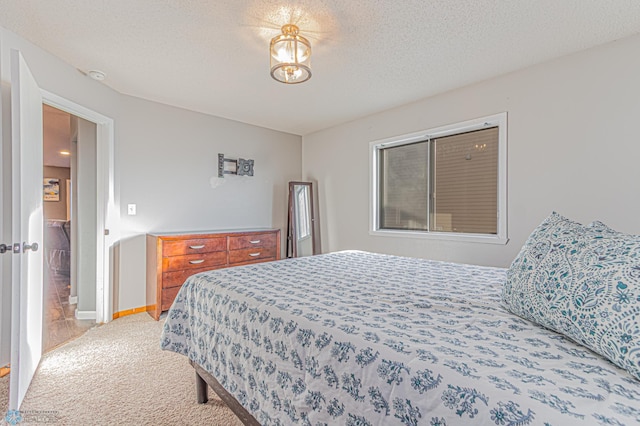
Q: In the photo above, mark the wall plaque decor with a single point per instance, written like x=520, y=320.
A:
x=228, y=166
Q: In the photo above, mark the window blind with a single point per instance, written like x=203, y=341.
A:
x=465, y=182
x=404, y=187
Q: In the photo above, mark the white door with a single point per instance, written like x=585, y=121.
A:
x=27, y=221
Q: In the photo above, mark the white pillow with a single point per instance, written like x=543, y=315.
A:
x=583, y=282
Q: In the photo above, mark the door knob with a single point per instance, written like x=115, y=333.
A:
x=32, y=247
x=4, y=248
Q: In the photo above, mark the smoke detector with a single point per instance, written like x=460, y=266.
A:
x=97, y=75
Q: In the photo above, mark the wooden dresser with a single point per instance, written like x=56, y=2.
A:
x=173, y=257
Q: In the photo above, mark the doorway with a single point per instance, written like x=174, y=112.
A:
x=68, y=206
x=106, y=229
x=26, y=307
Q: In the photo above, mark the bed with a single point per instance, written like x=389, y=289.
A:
x=358, y=338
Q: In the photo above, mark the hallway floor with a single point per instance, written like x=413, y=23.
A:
x=60, y=323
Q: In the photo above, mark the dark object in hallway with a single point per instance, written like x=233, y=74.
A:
x=58, y=246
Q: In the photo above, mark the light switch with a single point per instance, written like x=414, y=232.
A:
x=131, y=209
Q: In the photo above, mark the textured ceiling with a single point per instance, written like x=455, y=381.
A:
x=368, y=55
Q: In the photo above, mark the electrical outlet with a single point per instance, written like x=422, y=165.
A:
x=131, y=209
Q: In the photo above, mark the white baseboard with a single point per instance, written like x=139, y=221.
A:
x=85, y=315
x=73, y=300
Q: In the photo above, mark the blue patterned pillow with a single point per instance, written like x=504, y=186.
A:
x=583, y=282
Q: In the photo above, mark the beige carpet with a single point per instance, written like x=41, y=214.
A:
x=116, y=374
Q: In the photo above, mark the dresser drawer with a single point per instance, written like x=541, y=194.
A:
x=177, y=278
x=168, y=296
x=252, y=241
x=194, y=261
x=251, y=255
x=193, y=246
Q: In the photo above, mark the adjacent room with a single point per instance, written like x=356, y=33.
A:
x=354, y=213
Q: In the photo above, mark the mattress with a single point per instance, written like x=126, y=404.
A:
x=358, y=338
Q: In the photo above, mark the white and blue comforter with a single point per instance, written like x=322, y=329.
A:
x=355, y=338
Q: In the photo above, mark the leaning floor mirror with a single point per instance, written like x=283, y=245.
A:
x=301, y=238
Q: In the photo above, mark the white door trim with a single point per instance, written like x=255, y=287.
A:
x=107, y=220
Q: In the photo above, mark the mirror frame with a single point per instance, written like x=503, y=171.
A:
x=292, y=243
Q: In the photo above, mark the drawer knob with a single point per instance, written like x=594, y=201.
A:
x=255, y=242
x=195, y=262
x=197, y=247
x=254, y=254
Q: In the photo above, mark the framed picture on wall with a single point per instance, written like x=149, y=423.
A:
x=51, y=189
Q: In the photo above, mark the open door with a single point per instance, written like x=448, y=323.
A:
x=27, y=220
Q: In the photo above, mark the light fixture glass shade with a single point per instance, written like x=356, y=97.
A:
x=290, y=56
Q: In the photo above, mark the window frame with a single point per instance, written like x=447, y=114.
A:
x=499, y=120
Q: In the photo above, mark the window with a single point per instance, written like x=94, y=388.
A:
x=447, y=183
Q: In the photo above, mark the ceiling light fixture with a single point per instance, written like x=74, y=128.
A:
x=290, y=56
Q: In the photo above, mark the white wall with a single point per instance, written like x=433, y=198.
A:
x=86, y=222
x=572, y=142
x=74, y=206
x=164, y=158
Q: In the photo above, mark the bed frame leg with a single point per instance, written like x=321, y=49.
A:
x=201, y=389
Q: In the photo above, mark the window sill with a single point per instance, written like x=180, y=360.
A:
x=446, y=236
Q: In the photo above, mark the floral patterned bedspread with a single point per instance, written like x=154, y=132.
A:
x=356, y=338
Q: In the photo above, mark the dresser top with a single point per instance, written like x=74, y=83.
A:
x=212, y=231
